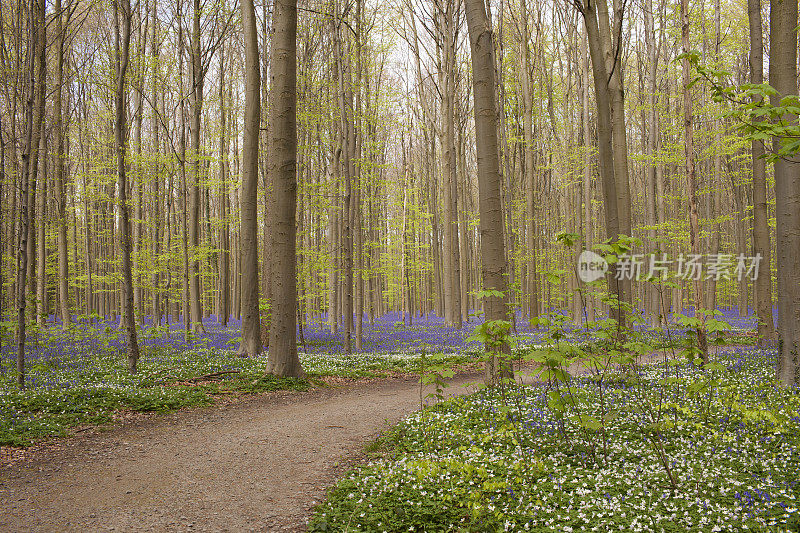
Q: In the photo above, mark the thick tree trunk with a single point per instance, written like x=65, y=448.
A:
x=605, y=145
x=493, y=257
x=783, y=77
x=283, y=358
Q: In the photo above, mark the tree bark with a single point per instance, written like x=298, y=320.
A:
x=529, y=169
x=761, y=239
x=605, y=145
x=122, y=38
x=283, y=358
x=197, y=79
x=452, y=252
x=691, y=178
x=33, y=112
x=224, y=199
x=493, y=257
x=783, y=78
x=157, y=201
x=248, y=201
x=60, y=193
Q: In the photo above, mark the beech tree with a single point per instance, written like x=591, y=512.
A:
x=783, y=78
x=283, y=358
x=33, y=115
x=122, y=40
x=604, y=50
x=251, y=323
x=691, y=177
x=493, y=260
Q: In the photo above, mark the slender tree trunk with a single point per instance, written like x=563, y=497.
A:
x=452, y=252
x=761, y=239
x=224, y=199
x=156, y=171
x=653, y=306
x=60, y=193
x=197, y=80
x=42, y=308
x=122, y=26
x=588, y=223
x=529, y=166
x=691, y=178
x=33, y=115
x=605, y=145
x=358, y=178
x=346, y=143
x=248, y=202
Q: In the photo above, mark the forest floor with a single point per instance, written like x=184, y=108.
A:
x=254, y=463
x=259, y=463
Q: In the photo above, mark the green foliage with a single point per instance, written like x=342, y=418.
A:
x=752, y=109
x=461, y=466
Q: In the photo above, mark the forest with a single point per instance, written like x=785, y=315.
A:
x=562, y=236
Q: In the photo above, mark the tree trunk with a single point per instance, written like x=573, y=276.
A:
x=691, y=179
x=605, y=146
x=529, y=170
x=42, y=185
x=248, y=201
x=224, y=199
x=452, y=252
x=783, y=78
x=283, y=358
x=61, y=197
x=493, y=257
x=157, y=201
x=761, y=239
x=196, y=100
x=122, y=38
x=33, y=112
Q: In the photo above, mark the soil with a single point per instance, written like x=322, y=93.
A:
x=257, y=464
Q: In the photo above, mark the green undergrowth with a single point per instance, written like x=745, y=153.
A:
x=78, y=389
x=723, y=456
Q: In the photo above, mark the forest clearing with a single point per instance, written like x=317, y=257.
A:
x=415, y=265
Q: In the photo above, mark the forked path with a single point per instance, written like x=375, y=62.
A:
x=260, y=464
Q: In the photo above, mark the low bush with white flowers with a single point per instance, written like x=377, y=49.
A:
x=663, y=447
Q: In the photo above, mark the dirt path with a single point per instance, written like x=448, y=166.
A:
x=257, y=465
